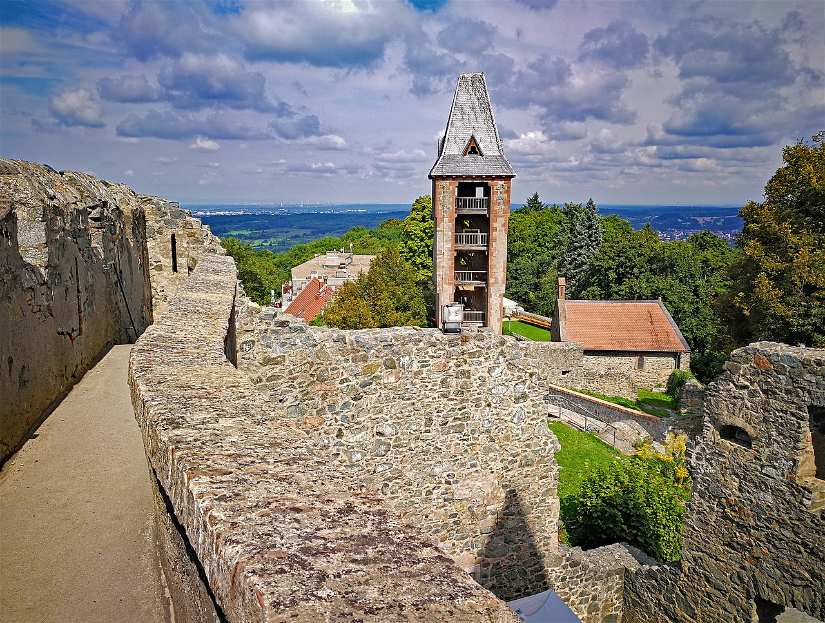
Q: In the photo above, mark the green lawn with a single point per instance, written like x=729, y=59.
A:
x=652, y=403
x=517, y=327
x=580, y=454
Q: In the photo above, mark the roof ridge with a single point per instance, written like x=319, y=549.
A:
x=657, y=301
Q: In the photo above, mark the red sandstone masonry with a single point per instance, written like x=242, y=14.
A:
x=497, y=251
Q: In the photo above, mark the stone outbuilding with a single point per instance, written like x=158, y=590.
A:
x=640, y=336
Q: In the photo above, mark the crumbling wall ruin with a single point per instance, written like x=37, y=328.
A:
x=85, y=264
x=754, y=537
x=73, y=282
x=175, y=242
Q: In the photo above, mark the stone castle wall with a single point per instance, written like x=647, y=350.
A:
x=754, y=537
x=192, y=240
x=85, y=264
x=619, y=374
x=73, y=282
x=452, y=429
x=280, y=532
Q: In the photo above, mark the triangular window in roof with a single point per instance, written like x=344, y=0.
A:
x=472, y=148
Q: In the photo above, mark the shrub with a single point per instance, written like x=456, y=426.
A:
x=675, y=382
x=640, y=500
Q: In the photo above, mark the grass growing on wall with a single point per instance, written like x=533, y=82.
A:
x=517, y=327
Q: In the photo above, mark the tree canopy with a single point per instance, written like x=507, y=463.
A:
x=533, y=204
x=417, y=238
x=534, y=248
x=584, y=238
x=779, y=281
x=387, y=295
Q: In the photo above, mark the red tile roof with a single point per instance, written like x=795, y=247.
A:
x=639, y=326
x=310, y=301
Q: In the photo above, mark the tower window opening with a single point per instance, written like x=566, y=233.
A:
x=736, y=435
x=816, y=420
x=472, y=148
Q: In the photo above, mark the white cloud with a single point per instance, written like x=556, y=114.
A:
x=204, y=144
x=77, y=107
x=534, y=143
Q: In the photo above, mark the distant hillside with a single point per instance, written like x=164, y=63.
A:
x=280, y=228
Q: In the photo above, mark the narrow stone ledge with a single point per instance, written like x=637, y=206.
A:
x=281, y=533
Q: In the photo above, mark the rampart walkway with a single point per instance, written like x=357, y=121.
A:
x=76, y=532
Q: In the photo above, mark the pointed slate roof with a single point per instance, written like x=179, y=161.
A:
x=471, y=115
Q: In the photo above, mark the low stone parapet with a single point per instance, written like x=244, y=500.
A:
x=631, y=425
x=276, y=530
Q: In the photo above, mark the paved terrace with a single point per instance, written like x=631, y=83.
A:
x=76, y=532
x=281, y=533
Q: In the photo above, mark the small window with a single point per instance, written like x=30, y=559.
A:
x=816, y=417
x=640, y=362
x=472, y=148
x=736, y=435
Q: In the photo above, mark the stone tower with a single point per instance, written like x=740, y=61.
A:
x=471, y=206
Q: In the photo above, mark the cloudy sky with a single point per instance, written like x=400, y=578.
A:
x=343, y=100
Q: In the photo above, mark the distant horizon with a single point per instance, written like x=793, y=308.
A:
x=674, y=204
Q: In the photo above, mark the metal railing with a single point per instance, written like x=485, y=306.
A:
x=472, y=204
x=585, y=422
x=471, y=315
x=472, y=276
x=475, y=239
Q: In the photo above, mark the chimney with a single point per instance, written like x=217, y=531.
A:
x=562, y=288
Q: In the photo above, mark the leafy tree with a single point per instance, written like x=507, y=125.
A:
x=676, y=382
x=533, y=204
x=387, y=295
x=639, y=499
x=690, y=277
x=254, y=270
x=534, y=243
x=261, y=270
x=779, y=281
x=583, y=242
x=417, y=239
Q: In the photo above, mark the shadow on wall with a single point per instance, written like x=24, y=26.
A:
x=510, y=564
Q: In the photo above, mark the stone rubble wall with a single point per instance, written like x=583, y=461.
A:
x=592, y=583
x=281, y=532
x=70, y=286
x=452, y=429
x=616, y=374
x=631, y=425
x=192, y=240
x=754, y=529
